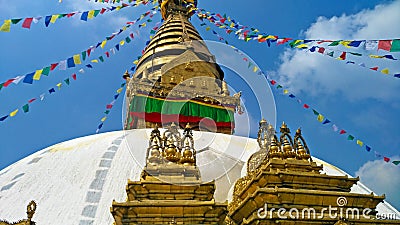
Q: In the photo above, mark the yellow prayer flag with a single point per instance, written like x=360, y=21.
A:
x=143, y=24
x=77, y=59
x=376, y=56
x=103, y=43
x=13, y=113
x=345, y=43
x=118, y=8
x=59, y=85
x=360, y=143
x=103, y=119
x=91, y=14
x=270, y=37
x=136, y=62
x=6, y=26
x=54, y=18
x=302, y=46
x=119, y=90
x=320, y=118
x=208, y=28
x=37, y=74
x=124, y=28
x=385, y=71
x=122, y=42
x=255, y=69
x=285, y=91
x=94, y=61
x=232, y=25
x=297, y=41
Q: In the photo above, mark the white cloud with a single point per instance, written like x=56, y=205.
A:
x=382, y=178
x=316, y=74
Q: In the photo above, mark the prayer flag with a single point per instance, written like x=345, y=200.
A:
x=70, y=62
x=342, y=132
x=326, y=121
x=103, y=43
x=37, y=74
x=74, y=76
x=62, y=65
x=315, y=112
x=320, y=118
x=59, y=86
x=84, y=16
x=306, y=106
x=77, y=59
x=29, y=78
x=46, y=71
x=395, y=46
x=385, y=71
x=54, y=18
x=350, y=137
x=67, y=81
x=27, y=23
x=367, y=148
x=335, y=128
x=396, y=163
x=6, y=26
x=386, y=159
x=360, y=143
x=385, y=45
x=51, y=90
x=13, y=113
x=47, y=20
x=53, y=66
x=25, y=108
x=3, y=118
x=371, y=45
x=103, y=119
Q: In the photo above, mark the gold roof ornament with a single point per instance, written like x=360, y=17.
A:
x=30, y=211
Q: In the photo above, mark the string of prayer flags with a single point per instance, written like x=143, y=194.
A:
x=109, y=107
x=342, y=56
x=321, y=118
x=74, y=60
x=85, y=15
x=243, y=33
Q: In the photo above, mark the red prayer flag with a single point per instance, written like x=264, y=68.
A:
x=53, y=66
x=385, y=45
x=321, y=50
x=109, y=106
x=374, y=68
x=386, y=159
x=74, y=76
x=103, y=10
x=88, y=51
x=27, y=23
x=343, y=56
x=273, y=82
x=32, y=100
x=107, y=54
x=8, y=82
x=306, y=106
x=131, y=35
x=342, y=132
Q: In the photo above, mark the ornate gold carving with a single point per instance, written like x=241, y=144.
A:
x=30, y=211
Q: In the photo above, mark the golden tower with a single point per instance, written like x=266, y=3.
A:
x=178, y=80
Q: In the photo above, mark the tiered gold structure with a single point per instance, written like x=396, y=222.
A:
x=170, y=189
x=282, y=180
x=177, y=65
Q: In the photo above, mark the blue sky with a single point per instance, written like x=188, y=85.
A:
x=363, y=102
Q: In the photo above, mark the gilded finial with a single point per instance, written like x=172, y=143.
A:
x=284, y=129
x=126, y=76
x=30, y=210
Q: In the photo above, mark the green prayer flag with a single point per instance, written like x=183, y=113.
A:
x=15, y=21
x=396, y=162
x=1, y=86
x=354, y=53
x=152, y=32
x=123, y=84
x=107, y=112
x=335, y=43
x=84, y=55
x=101, y=58
x=149, y=20
x=67, y=81
x=25, y=108
x=330, y=53
x=46, y=71
x=350, y=138
x=315, y=112
x=395, y=46
x=96, y=12
x=279, y=86
x=127, y=39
